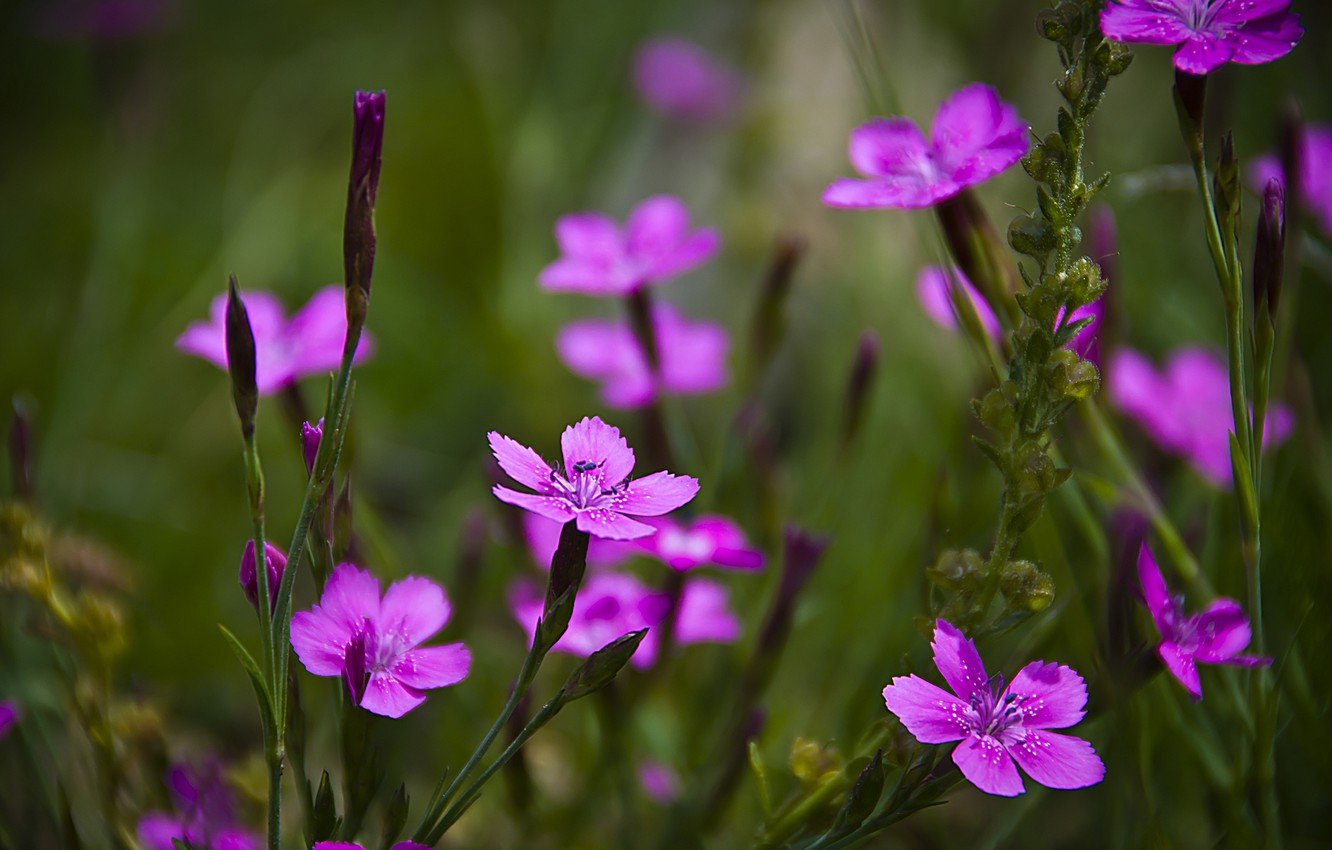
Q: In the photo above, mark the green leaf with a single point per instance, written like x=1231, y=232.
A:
x=261, y=691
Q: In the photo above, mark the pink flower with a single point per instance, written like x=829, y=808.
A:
x=276, y=563
x=594, y=488
x=679, y=79
x=996, y=725
x=1315, y=180
x=706, y=540
x=1185, y=408
x=659, y=781
x=9, y=716
x=1210, y=33
x=204, y=814
x=347, y=845
x=975, y=136
x=1216, y=636
x=932, y=293
x=374, y=643
x=543, y=538
x=285, y=351
x=691, y=356
x=598, y=257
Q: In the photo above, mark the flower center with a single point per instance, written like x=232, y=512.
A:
x=991, y=715
x=584, y=486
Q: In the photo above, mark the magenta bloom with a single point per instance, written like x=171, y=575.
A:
x=310, y=343
x=598, y=257
x=543, y=538
x=1185, y=407
x=1315, y=167
x=9, y=716
x=679, y=79
x=932, y=293
x=692, y=357
x=1216, y=636
x=347, y=845
x=975, y=136
x=204, y=814
x=1209, y=33
x=996, y=725
x=706, y=540
x=374, y=643
x=276, y=563
x=659, y=781
x=594, y=487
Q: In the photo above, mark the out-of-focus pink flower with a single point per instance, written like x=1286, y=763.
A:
x=105, y=20
x=543, y=538
x=1185, y=407
x=347, y=845
x=703, y=616
x=1315, y=167
x=932, y=293
x=598, y=257
x=310, y=343
x=1209, y=33
x=975, y=136
x=276, y=562
x=691, y=357
x=374, y=643
x=659, y=780
x=1084, y=342
x=997, y=726
x=679, y=79
x=594, y=487
x=707, y=540
x=204, y=814
x=9, y=716
x=1217, y=635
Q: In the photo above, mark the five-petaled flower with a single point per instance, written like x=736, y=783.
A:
x=997, y=726
x=374, y=643
x=1314, y=183
x=679, y=79
x=691, y=357
x=708, y=540
x=1209, y=33
x=1217, y=635
x=598, y=257
x=310, y=343
x=204, y=815
x=975, y=136
x=594, y=487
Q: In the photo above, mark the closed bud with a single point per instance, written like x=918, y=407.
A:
x=802, y=553
x=602, y=666
x=395, y=816
x=1025, y=586
x=858, y=387
x=1074, y=378
x=1269, y=253
x=310, y=437
x=770, y=312
x=995, y=409
x=1226, y=185
x=812, y=763
x=241, y=359
x=1032, y=235
x=1190, y=99
x=1034, y=470
x=358, y=245
x=957, y=569
x=1084, y=283
x=275, y=562
x=567, y=566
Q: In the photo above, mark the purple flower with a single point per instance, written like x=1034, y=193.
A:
x=374, y=643
x=1314, y=156
x=932, y=293
x=704, y=615
x=1210, y=33
x=659, y=781
x=975, y=136
x=1215, y=636
x=10, y=713
x=204, y=814
x=594, y=487
x=679, y=79
x=543, y=538
x=310, y=343
x=706, y=540
x=691, y=357
x=598, y=257
x=310, y=437
x=275, y=561
x=996, y=725
x=347, y=845
x=1185, y=407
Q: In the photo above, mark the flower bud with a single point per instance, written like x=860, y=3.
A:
x=995, y=409
x=812, y=763
x=275, y=562
x=602, y=666
x=1226, y=186
x=358, y=240
x=1025, y=587
x=1269, y=253
x=1074, y=378
x=310, y=437
x=1035, y=472
x=1190, y=99
x=956, y=569
x=770, y=312
x=241, y=359
x=858, y=387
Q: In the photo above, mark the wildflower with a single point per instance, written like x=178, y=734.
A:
x=594, y=488
x=374, y=643
x=706, y=540
x=543, y=537
x=932, y=293
x=999, y=725
x=1314, y=183
x=347, y=845
x=9, y=716
x=1185, y=408
x=1215, y=636
x=310, y=343
x=276, y=563
x=1209, y=33
x=659, y=781
x=204, y=815
x=975, y=136
x=691, y=357
x=598, y=257
x=680, y=80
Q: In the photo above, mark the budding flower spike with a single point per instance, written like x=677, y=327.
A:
x=996, y=725
x=598, y=257
x=276, y=563
x=975, y=136
x=593, y=488
x=1209, y=33
x=1313, y=185
x=311, y=435
x=374, y=643
x=691, y=357
x=286, y=350
x=678, y=79
x=1217, y=635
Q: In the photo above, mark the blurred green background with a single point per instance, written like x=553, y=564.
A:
x=139, y=171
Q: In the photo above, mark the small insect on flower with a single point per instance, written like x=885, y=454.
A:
x=1217, y=635
x=975, y=136
x=595, y=489
x=996, y=725
x=374, y=643
x=1209, y=33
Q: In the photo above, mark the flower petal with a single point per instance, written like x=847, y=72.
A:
x=705, y=614
x=612, y=525
x=319, y=642
x=987, y=765
x=1052, y=696
x=607, y=352
x=520, y=463
x=387, y=697
x=571, y=274
x=414, y=609
x=1224, y=631
x=317, y=333
x=550, y=507
x=1266, y=39
x=160, y=830
x=693, y=251
x=1202, y=53
x=888, y=146
x=350, y=597
x=1155, y=593
x=593, y=440
x=589, y=236
x=429, y=667
x=933, y=295
x=1055, y=760
x=656, y=227
x=958, y=661
x=928, y=712
x=693, y=354
x=1181, y=665
x=1120, y=22
x=976, y=135
x=656, y=494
